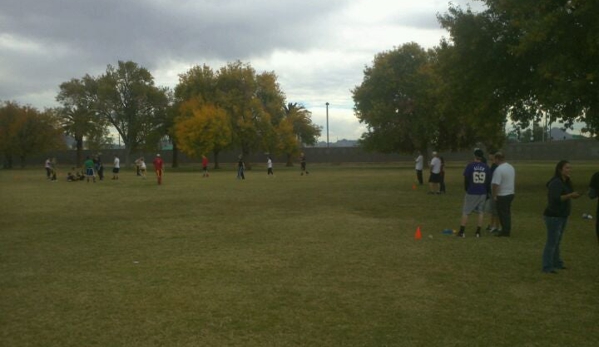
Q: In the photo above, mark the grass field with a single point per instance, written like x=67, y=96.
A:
x=327, y=259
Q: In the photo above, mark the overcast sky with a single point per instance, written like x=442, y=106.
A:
x=317, y=48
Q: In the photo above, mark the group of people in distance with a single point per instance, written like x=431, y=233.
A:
x=492, y=189
x=93, y=167
x=269, y=166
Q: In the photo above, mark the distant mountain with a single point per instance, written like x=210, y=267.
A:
x=339, y=143
x=559, y=134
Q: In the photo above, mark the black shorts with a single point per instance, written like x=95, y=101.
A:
x=115, y=170
x=435, y=178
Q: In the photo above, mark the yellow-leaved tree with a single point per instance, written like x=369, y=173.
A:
x=202, y=128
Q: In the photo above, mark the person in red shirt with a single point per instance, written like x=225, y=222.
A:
x=158, y=166
x=205, y=166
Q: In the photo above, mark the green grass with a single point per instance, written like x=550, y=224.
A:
x=324, y=260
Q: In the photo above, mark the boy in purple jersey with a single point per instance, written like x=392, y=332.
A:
x=476, y=179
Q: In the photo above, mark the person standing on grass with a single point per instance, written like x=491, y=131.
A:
x=138, y=166
x=142, y=168
x=476, y=179
x=593, y=193
x=158, y=167
x=89, y=169
x=434, y=179
x=240, y=168
x=99, y=167
x=303, y=164
x=490, y=203
x=419, y=166
x=559, y=195
x=205, y=166
x=48, y=167
x=116, y=168
x=53, y=169
x=502, y=185
x=269, y=171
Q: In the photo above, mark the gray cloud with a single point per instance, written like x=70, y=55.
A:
x=45, y=43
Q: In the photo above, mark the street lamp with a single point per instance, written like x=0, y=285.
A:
x=327, y=124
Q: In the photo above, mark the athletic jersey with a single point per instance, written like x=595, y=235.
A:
x=204, y=162
x=89, y=164
x=157, y=163
x=477, y=175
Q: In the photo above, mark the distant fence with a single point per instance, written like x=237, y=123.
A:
x=555, y=150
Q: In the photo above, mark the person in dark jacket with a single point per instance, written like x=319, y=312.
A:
x=559, y=195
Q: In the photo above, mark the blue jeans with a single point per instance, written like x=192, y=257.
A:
x=555, y=230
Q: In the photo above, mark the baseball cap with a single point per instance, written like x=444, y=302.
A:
x=158, y=154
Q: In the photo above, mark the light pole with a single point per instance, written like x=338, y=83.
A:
x=327, y=124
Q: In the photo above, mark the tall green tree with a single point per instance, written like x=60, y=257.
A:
x=251, y=102
x=77, y=114
x=396, y=101
x=540, y=56
x=298, y=121
x=128, y=99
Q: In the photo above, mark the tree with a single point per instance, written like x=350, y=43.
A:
x=296, y=130
x=128, y=99
x=202, y=129
x=24, y=131
x=251, y=103
x=539, y=56
x=396, y=101
x=78, y=115
x=196, y=87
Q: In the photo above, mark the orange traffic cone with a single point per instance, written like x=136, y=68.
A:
x=418, y=234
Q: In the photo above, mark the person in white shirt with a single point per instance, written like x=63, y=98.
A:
x=116, y=168
x=435, y=177
x=48, y=168
x=419, y=165
x=269, y=165
x=503, y=188
x=142, y=168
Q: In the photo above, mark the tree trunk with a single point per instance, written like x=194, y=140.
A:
x=216, y=164
x=245, y=152
x=22, y=157
x=289, y=160
x=79, y=144
x=7, y=163
x=175, y=155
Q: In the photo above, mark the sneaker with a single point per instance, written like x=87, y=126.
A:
x=478, y=234
x=461, y=234
x=489, y=228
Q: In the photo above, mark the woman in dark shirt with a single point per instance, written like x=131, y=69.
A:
x=559, y=194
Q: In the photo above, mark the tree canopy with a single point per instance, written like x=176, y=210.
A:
x=254, y=106
x=25, y=131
